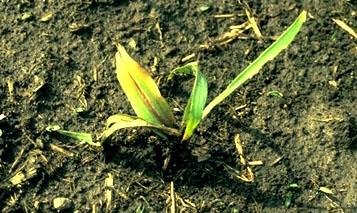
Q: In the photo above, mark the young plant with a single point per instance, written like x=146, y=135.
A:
x=80, y=136
x=151, y=108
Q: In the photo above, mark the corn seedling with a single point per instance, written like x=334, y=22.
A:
x=152, y=109
x=80, y=136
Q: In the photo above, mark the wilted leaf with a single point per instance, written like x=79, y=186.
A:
x=120, y=121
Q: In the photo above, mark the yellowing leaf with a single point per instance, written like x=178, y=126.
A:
x=141, y=90
x=120, y=121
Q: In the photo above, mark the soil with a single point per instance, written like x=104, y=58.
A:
x=56, y=68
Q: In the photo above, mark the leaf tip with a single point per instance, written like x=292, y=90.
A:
x=303, y=15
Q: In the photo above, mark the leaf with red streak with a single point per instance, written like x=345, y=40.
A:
x=141, y=90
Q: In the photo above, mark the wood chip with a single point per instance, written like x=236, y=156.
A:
x=46, y=17
x=187, y=58
x=254, y=24
x=345, y=27
x=109, y=185
x=225, y=16
x=325, y=190
x=173, y=200
x=61, y=150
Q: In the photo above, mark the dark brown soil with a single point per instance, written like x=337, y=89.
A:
x=305, y=138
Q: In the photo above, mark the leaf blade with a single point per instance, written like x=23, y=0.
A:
x=269, y=54
x=197, y=101
x=121, y=121
x=81, y=136
x=141, y=90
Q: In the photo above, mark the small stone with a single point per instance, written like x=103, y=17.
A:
x=26, y=16
x=62, y=203
x=132, y=43
x=333, y=83
x=46, y=17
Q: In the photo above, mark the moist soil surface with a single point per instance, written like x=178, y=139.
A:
x=296, y=119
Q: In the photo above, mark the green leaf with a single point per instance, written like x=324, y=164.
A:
x=197, y=101
x=275, y=93
x=81, y=136
x=120, y=121
x=269, y=54
x=141, y=90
